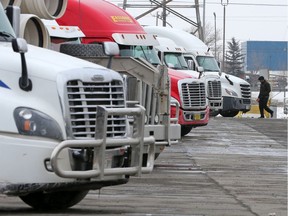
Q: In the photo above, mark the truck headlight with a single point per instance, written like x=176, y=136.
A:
x=231, y=92
x=35, y=123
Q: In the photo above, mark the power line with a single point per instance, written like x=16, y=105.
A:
x=252, y=4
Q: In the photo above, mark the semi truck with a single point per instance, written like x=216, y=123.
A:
x=64, y=124
x=236, y=92
x=103, y=21
x=173, y=57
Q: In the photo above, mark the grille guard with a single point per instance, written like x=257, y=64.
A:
x=101, y=142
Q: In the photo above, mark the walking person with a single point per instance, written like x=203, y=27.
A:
x=263, y=97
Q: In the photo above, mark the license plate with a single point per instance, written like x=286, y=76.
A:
x=197, y=116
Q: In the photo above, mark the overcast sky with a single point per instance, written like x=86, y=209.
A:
x=261, y=20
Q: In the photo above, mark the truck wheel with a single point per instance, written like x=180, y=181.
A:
x=214, y=113
x=84, y=50
x=53, y=201
x=185, y=129
x=229, y=113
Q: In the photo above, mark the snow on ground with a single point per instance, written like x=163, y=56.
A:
x=277, y=97
x=279, y=114
x=277, y=104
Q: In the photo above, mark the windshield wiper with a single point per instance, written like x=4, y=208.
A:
x=215, y=70
x=6, y=35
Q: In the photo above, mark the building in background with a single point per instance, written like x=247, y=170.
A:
x=268, y=59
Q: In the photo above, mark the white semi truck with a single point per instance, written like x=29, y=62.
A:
x=145, y=84
x=236, y=92
x=64, y=125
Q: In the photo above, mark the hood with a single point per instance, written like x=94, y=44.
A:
x=41, y=62
x=178, y=74
x=192, y=73
x=234, y=79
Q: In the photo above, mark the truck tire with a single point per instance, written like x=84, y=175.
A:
x=214, y=113
x=229, y=113
x=84, y=50
x=185, y=129
x=53, y=201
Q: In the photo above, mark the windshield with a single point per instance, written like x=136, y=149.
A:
x=208, y=63
x=146, y=52
x=175, y=61
x=6, y=31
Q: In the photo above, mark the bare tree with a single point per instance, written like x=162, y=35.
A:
x=210, y=39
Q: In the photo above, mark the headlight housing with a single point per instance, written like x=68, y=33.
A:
x=231, y=92
x=35, y=123
x=174, y=102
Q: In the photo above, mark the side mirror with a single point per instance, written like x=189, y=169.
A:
x=19, y=45
x=191, y=64
x=111, y=48
x=200, y=69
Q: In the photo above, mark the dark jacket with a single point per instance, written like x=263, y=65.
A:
x=265, y=89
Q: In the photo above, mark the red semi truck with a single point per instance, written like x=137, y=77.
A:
x=102, y=21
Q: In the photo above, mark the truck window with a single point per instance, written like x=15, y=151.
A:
x=146, y=52
x=208, y=63
x=6, y=30
x=175, y=61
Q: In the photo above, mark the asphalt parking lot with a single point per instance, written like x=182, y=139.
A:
x=231, y=167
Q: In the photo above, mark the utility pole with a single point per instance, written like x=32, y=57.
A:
x=215, y=49
x=164, y=12
x=124, y=4
x=224, y=3
x=200, y=29
x=204, y=14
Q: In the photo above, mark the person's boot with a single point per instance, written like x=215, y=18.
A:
x=271, y=114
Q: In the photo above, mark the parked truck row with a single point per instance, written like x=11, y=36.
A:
x=90, y=97
x=118, y=26
x=236, y=92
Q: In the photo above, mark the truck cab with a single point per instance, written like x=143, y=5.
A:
x=194, y=108
x=64, y=125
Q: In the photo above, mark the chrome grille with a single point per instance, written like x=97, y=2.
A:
x=214, y=89
x=193, y=95
x=246, y=93
x=84, y=97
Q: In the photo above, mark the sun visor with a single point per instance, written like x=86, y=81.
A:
x=135, y=39
x=64, y=31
